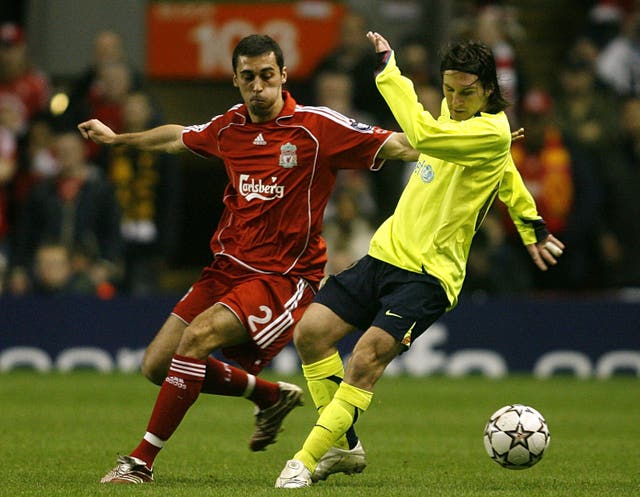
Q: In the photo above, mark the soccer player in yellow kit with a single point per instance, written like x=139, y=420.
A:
x=416, y=263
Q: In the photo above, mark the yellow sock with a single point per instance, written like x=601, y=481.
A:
x=323, y=378
x=355, y=396
x=333, y=423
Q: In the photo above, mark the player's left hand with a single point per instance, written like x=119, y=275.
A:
x=516, y=135
x=546, y=252
x=378, y=41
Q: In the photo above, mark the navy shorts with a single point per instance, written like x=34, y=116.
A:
x=375, y=293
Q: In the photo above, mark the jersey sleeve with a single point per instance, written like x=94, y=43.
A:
x=520, y=203
x=352, y=144
x=466, y=143
x=202, y=139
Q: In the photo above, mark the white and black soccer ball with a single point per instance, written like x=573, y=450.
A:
x=516, y=436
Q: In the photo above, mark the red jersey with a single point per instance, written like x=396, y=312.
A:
x=281, y=174
x=28, y=94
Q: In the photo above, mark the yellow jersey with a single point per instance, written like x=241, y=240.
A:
x=462, y=166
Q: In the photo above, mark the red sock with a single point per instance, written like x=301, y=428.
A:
x=178, y=392
x=224, y=379
x=265, y=393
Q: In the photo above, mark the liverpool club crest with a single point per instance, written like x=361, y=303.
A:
x=288, y=156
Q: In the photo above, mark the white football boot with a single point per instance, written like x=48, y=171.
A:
x=338, y=460
x=294, y=475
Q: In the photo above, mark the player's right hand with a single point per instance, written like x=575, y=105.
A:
x=96, y=130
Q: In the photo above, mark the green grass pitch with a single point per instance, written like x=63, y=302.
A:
x=423, y=436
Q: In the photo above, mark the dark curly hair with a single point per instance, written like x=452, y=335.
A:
x=476, y=58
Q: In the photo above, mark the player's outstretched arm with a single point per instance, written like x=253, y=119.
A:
x=545, y=253
x=167, y=138
x=397, y=147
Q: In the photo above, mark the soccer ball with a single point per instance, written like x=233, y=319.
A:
x=516, y=436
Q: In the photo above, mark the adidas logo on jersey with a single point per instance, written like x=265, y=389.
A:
x=259, y=140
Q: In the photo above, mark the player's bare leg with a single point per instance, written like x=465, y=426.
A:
x=373, y=352
x=274, y=400
x=212, y=329
x=371, y=355
x=315, y=338
x=215, y=328
x=317, y=333
x=157, y=356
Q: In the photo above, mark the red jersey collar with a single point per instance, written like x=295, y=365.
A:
x=288, y=109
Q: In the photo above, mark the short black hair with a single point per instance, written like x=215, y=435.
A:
x=474, y=57
x=255, y=45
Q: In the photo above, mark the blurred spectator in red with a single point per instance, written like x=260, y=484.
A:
x=107, y=100
x=561, y=178
x=108, y=48
x=24, y=90
x=621, y=240
x=148, y=190
x=76, y=208
x=35, y=158
x=8, y=162
x=107, y=97
x=545, y=162
x=101, y=89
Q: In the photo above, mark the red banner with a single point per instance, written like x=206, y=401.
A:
x=196, y=40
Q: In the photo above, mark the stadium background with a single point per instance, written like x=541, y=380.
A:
x=61, y=37
x=587, y=335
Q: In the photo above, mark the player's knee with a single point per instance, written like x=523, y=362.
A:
x=302, y=341
x=364, y=369
x=310, y=345
x=198, y=340
x=369, y=359
x=152, y=369
x=362, y=359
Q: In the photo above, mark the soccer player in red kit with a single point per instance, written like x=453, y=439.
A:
x=281, y=159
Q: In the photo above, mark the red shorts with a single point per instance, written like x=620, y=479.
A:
x=268, y=305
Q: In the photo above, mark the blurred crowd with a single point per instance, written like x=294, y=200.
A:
x=580, y=158
x=75, y=218
x=79, y=219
